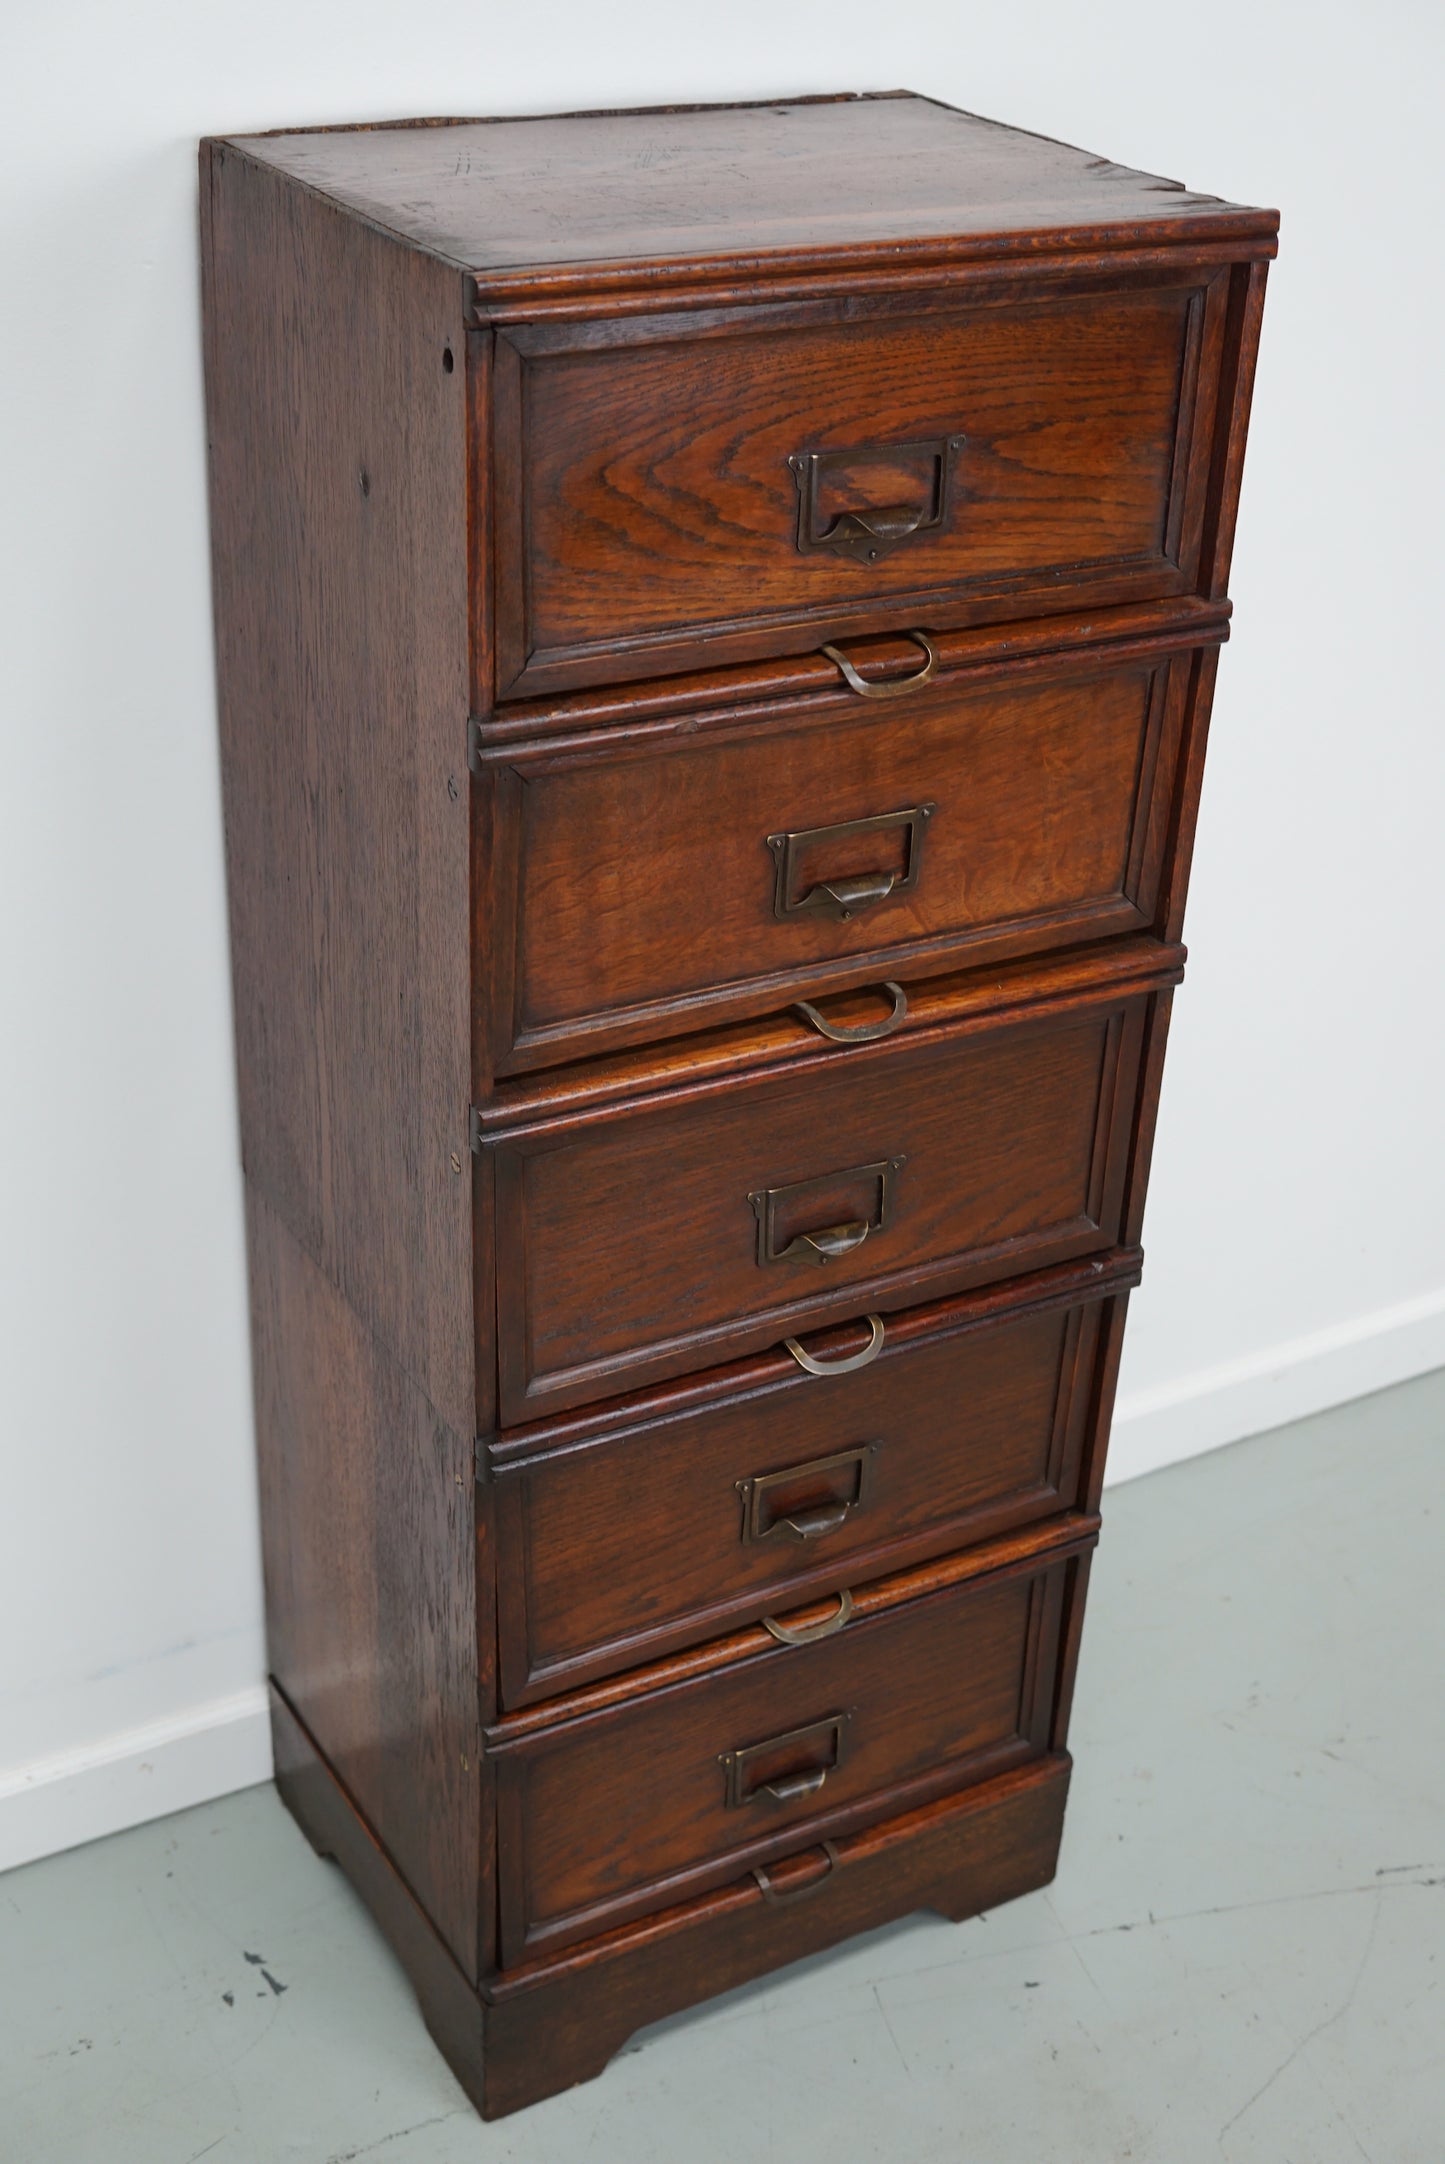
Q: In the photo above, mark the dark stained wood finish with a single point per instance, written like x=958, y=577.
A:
x=646, y=506
x=621, y=1540
x=585, y=204
x=676, y=708
x=1075, y=1592
x=368, y=1492
x=628, y=1248
x=635, y=889
x=558, y=2020
x=782, y=1043
x=1246, y=312
x=343, y=703
x=948, y=1686
x=338, y=1830
x=517, y=651
x=1023, y=1546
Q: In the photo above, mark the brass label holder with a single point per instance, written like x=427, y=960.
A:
x=871, y=533
x=786, y=1787
x=818, y=1520
x=844, y=898
x=829, y=1243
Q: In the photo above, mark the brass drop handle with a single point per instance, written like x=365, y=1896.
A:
x=862, y=1032
x=778, y=1900
x=808, y=1634
x=899, y=685
x=851, y=1364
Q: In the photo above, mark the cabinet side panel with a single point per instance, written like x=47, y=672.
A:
x=1246, y=309
x=339, y=537
x=369, y=1550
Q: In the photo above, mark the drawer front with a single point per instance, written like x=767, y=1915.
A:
x=647, y=891
x=671, y=1234
x=773, y=478
x=698, y=1784
x=975, y=1418
x=960, y=1855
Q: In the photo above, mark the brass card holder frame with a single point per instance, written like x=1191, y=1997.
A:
x=823, y=1518
x=844, y=898
x=866, y=536
x=830, y=1242
x=791, y=1787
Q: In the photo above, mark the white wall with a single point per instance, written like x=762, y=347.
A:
x=1294, y=1231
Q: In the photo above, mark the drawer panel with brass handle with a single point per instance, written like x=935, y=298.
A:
x=670, y=1231
x=764, y=479
x=937, y=1681
x=648, y=889
x=694, y=1508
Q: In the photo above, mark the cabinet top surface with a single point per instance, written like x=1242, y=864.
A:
x=810, y=176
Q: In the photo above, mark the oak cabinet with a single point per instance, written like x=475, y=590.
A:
x=717, y=612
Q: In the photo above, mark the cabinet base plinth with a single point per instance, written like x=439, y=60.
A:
x=530, y=2032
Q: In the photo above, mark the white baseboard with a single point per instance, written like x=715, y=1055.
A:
x=1238, y=1398
x=120, y=1781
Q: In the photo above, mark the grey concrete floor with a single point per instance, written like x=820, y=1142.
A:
x=1240, y=1959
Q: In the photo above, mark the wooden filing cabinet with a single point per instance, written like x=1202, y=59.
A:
x=717, y=612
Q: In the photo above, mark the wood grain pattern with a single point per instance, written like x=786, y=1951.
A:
x=338, y=488
x=516, y=637
x=1074, y=1597
x=557, y=2020
x=799, y=185
x=628, y=1246
x=617, y=1547
x=368, y=1493
x=645, y=503
x=788, y=685
x=634, y=888
x=1035, y=1292
x=946, y=1688
x=1027, y=1547
x=1246, y=314
x=337, y=1829
x=779, y=1044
